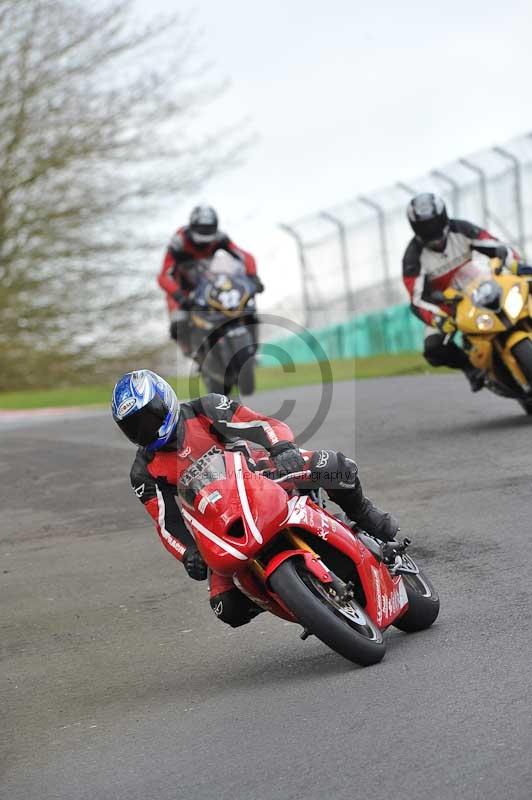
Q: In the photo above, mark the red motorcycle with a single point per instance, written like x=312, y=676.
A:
x=289, y=555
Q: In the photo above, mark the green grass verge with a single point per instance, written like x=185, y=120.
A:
x=267, y=378
x=397, y=364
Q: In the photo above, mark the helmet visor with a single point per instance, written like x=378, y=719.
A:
x=142, y=427
x=440, y=244
x=431, y=230
x=203, y=236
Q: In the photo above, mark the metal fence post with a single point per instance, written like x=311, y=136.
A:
x=385, y=258
x=342, y=237
x=304, y=271
x=455, y=188
x=483, y=187
x=518, y=194
x=406, y=188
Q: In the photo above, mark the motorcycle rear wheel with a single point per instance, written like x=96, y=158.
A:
x=345, y=628
x=423, y=604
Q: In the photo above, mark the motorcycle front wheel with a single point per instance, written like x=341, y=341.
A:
x=342, y=626
x=246, y=377
x=423, y=604
x=214, y=385
x=523, y=355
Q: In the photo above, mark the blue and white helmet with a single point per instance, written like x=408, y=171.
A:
x=145, y=408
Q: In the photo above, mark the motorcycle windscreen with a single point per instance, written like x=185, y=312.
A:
x=208, y=469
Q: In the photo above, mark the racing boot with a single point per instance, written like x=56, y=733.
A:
x=475, y=377
x=365, y=514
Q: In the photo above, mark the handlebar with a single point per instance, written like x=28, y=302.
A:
x=302, y=475
x=440, y=297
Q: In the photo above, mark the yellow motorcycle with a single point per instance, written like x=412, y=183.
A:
x=494, y=316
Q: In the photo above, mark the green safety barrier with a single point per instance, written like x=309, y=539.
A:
x=392, y=330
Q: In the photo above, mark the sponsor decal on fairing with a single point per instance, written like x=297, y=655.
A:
x=299, y=511
x=388, y=605
x=199, y=466
x=210, y=499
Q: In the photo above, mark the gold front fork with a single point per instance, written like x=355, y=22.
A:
x=298, y=543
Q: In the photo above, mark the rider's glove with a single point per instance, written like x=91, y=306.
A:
x=509, y=261
x=258, y=284
x=287, y=458
x=183, y=300
x=519, y=268
x=194, y=564
x=444, y=323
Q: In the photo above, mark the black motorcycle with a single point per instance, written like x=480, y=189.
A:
x=222, y=332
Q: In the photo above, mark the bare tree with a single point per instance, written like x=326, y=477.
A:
x=100, y=124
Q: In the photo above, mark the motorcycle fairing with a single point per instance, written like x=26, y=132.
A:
x=248, y=511
x=386, y=594
x=232, y=520
x=467, y=312
x=510, y=360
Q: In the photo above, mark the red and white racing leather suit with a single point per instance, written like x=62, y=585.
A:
x=426, y=271
x=211, y=422
x=179, y=272
x=207, y=421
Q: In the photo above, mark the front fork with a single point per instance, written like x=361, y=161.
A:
x=338, y=589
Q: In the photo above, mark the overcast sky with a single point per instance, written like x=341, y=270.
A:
x=348, y=96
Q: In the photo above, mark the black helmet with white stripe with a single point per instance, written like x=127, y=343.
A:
x=428, y=218
x=203, y=225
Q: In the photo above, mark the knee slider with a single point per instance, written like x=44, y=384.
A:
x=333, y=470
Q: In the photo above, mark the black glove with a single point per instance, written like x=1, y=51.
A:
x=287, y=458
x=194, y=564
x=258, y=284
x=502, y=252
x=184, y=301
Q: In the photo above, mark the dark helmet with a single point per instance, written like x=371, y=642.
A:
x=203, y=225
x=428, y=217
x=145, y=408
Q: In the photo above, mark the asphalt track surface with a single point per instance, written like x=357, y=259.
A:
x=118, y=683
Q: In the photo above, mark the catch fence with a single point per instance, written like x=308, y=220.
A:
x=351, y=255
